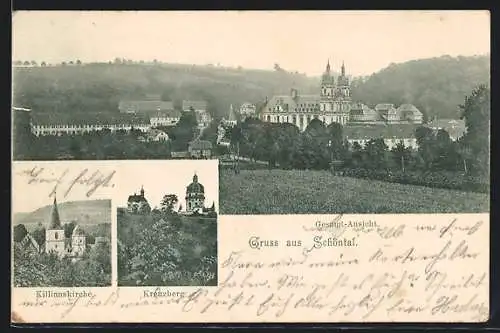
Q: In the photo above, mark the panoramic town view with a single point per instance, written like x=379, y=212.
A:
x=338, y=125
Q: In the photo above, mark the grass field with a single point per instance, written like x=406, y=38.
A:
x=305, y=192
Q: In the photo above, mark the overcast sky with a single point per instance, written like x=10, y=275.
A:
x=167, y=177
x=299, y=40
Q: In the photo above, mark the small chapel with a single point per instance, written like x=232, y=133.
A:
x=55, y=240
x=138, y=204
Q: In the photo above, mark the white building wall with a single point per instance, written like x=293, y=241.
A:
x=54, y=241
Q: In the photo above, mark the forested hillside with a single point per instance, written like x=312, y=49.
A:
x=436, y=86
x=87, y=212
x=99, y=87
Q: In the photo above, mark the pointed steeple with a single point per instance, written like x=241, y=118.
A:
x=343, y=68
x=328, y=66
x=232, y=115
x=195, y=178
x=55, y=221
x=142, y=191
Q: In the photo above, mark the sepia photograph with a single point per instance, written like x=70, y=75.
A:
x=340, y=124
x=167, y=223
x=250, y=166
x=63, y=244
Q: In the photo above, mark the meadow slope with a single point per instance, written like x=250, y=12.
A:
x=305, y=192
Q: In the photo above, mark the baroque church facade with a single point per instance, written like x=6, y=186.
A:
x=195, y=199
x=334, y=104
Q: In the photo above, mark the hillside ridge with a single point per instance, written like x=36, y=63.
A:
x=85, y=212
x=435, y=85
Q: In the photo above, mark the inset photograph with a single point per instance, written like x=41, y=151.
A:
x=167, y=223
x=63, y=244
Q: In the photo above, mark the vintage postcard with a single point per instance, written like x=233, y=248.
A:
x=250, y=166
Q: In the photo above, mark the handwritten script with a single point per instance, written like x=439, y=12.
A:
x=63, y=182
x=427, y=270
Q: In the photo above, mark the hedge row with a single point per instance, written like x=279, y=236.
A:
x=437, y=179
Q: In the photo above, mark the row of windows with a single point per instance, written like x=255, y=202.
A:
x=300, y=109
x=73, y=131
x=308, y=119
x=86, y=126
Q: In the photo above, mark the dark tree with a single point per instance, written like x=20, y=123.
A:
x=68, y=228
x=39, y=234
x=375, y=151
x=168, y=203
x=476, y=111
x=20, y=232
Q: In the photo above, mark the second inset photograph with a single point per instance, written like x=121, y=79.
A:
x=167, y=223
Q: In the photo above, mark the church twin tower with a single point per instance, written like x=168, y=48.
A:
x=335, y=97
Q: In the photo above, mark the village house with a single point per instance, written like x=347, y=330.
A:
x=200, y=149
x=455, y=127
x=29, y=244
x=200, y=108
x=410, y=113
x=247, y=110
x=391, y=134
x=154, y=135
x=160, y=113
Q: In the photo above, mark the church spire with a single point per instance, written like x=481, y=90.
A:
x=328, y=66
x=142, y=190
x=55, y=221
x=343, y=68
x=195, y=178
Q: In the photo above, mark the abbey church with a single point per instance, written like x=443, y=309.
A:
x=334, y=104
